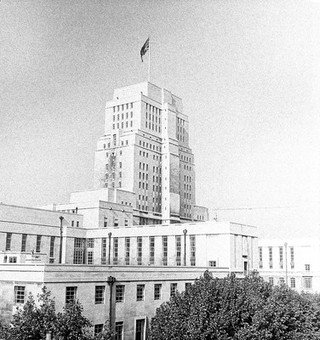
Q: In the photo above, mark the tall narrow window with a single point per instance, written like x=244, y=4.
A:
x=139, y=250
x=192, y=250
x=104, y=250
x=292, y=257
x=71, y=294
x=151, y=250
x=260, y=258
x=165, y=250
x=119, y=293
x=23, y=242
x=157, y=291
x=173, y=289
x=8, y=241
x=51, y=252
x=19, y=294
x=140, y=324
x=178, y=250
x=90, y=257
x=140, y=292
x=270, y=258
x=292, y=282
x=38, y=245
x=127, y=250
x=78, y=250
x=119, y=330
x=115, y=250
x=281, y=257
x=99, y=295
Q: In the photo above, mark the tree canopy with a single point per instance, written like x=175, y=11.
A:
x=234, y=308
x=34, y=320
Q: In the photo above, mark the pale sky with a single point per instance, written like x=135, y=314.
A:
x=248, y=73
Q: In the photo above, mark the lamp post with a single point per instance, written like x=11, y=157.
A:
x=185, y=247
x=60, y=252
x=111, y=280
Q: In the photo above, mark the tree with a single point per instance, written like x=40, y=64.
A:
x=71, y=324
x=33, y=321
x=233, y=308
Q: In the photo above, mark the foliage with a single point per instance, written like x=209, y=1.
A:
x=71, y=324
x=34, y=320
x=233, y=308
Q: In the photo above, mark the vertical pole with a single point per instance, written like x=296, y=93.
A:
x=60, y=252
x=109, y=255
x=185, y=247
x=111, y=280
x=149, y=63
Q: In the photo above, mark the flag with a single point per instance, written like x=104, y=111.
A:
x=144, y=49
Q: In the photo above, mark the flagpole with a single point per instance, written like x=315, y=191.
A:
x=149, y=63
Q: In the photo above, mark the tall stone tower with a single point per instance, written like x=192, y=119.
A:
x=145, y=150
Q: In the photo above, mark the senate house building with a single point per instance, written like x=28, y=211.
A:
x=126, y=246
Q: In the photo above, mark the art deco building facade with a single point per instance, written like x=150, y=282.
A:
x=128, y=245
x=145, y=150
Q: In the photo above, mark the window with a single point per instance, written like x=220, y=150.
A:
x=71, y=294
x=212, y=263
x=99, y=295
x=178, y=250
x=270, y=258
x=19, y=294
x=90, y=257
x=188, y=285
x=293, y=282
x=192, y=250
x=127, y=250
x=119, y=330
x=51, y=252
x=140, y=329
x=271, y=281
x=140, y=292
x=260, y=257
x=90, y=242
x=105, y=222
x=165, y=250
x=281, y=280
x=78, y=251
x=157, y=291
x=12, y=259
x=173, y=289
x=281, y=257
x=98, y=329
x=78, y=224
x=104, y=250
x=116, y=222
x=291, y=257
x=126, y=222
x=23, y=243
x=38, y=244
x=8, y=241
x=307, y=282
x=151, y=250
x=119, y=293
x=139, y=250
x=115, y=250
x=307, y=267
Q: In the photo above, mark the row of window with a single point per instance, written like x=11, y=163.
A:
x=152, y=250
x=306, y=282
x=281, y=260
x=24, y=243
x=149, y=145
x=122, y=107
x=122, y=116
